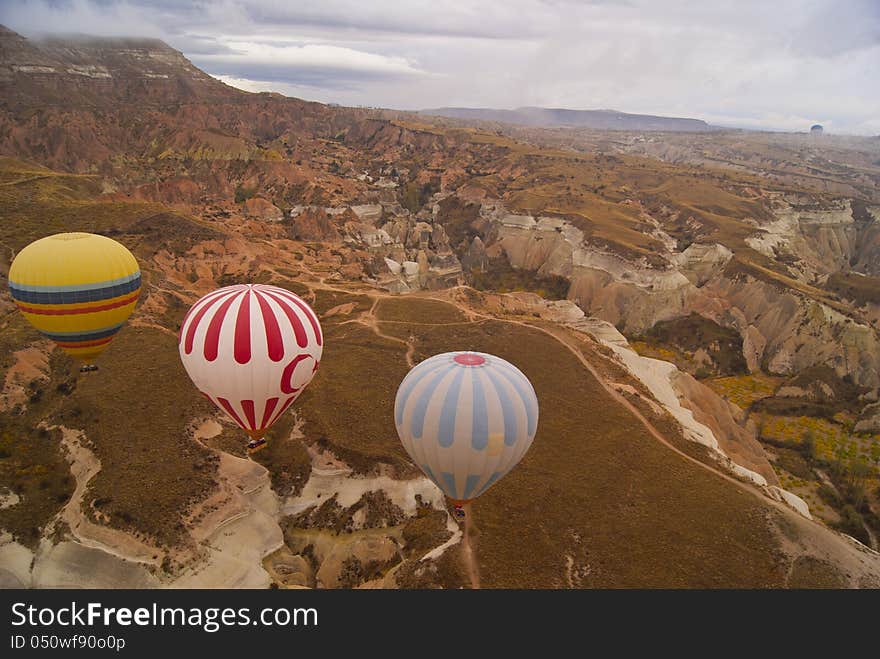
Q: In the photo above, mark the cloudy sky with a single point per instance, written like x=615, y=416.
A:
x=783, y=64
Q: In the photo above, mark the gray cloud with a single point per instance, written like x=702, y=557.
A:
x=779, y=65
x=839, y=28
x=195, y=45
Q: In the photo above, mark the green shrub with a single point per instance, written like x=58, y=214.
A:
x=829, y=496
x=242, y=194
x=851, y=523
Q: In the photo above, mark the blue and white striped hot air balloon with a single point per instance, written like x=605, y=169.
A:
x=466, y=418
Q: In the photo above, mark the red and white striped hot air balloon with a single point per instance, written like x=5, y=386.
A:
x=251, y=349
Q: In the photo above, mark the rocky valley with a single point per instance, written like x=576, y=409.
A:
x=698, y=312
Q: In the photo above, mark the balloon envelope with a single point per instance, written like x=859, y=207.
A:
x=466, y=418
x=251, y=349
x=78, y=289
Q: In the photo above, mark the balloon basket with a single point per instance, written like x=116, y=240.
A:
x=256, y=446
x=88, y=368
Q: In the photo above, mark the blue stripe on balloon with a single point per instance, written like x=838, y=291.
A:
x=421, y=408
x=446, y=431
x=507, y=410
x=494, y=477
x=517, y=379
x=429, y=473
x=449, y=480
x=75, y=294
x=409, y=383
x=470, y=484
x=480, y=419
x=415, y=376
x=76, y=287
x=83, y=336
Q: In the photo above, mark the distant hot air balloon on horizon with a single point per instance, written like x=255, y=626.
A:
x=251, y=349
x=77, y=289
x=466, y=419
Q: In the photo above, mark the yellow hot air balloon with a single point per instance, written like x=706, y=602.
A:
x=77, y=289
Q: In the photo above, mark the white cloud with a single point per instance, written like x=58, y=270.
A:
x=753, y=63
x=279, y=60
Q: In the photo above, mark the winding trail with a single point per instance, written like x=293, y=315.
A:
x=314, y=281
x=850, y=551
x=467, y=549
x=824, y=536
x=565, y=340
x=368, y=319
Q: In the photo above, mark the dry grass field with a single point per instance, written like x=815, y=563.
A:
x=135, y=412
x=597, y=501
x=596, y=498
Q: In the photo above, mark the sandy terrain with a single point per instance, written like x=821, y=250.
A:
x=15, y=563
x=235, y=528
x=8, y=498
x=93, y=556
x=31, y=363
x=230, y=542
x=232, y=531
x=333, y=479
x=328, y=481
x=236, y=537
x=84, y=465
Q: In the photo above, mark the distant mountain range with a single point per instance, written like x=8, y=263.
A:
x=596, y=119
x=73, y=70
x=748, y=259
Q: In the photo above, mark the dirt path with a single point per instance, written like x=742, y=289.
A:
x=467, y=547
x=141, y=322
x=369, y=319
x=85, y=465
x=634, y=411
x=40, y=177
x=861, y=562
x=829, y=541
x=566, y=341
x=820, y=536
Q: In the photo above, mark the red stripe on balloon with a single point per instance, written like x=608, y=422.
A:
x=243, y=332
x=71, y=310
x=270, y=407
x=84, y=344
x=248, y=407
x=205, y=298
x=316, y=327
x=274, y=342
x=212, y=338
x=301, y=339
x=189, y=313
x=194, y=325
x=231, y=410
x=283, y=408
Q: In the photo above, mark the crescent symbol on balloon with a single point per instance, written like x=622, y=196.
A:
x=287, y=376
